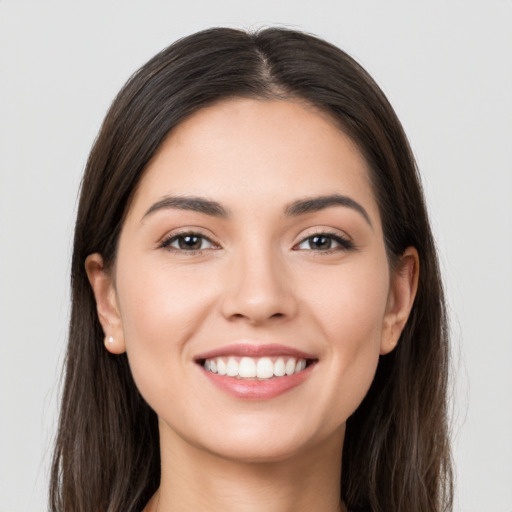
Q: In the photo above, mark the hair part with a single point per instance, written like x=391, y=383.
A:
x=396, y=452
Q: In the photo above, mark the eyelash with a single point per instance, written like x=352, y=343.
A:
x=166, y=243
x=344, y=244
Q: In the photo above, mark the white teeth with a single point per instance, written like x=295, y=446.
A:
x=290, y=367
x=264, y=368
x=301, y=364
x=279, y=368
x=247, y=368
x=221, y=367
x=250, y=368
x=232, y=368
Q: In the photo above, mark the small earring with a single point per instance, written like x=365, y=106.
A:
x=110, y=339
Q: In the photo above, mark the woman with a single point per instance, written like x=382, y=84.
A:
x=258, y=319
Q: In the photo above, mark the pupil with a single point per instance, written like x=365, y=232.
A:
x=189, y=242
x=321, y=242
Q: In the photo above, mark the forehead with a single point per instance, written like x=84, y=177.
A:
x=257, y=152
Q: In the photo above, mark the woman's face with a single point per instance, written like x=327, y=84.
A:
x=253, y=246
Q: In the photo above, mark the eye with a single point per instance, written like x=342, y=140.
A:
x=324, y=242
x=188, y=242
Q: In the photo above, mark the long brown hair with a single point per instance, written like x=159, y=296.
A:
x=396, y=454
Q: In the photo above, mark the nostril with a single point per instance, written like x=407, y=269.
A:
x=257, y=305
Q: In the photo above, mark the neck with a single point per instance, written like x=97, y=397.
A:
x=193, y=479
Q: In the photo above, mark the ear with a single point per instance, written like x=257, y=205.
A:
x=106, y=303
x=402, y=291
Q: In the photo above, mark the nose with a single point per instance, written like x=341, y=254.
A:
x=258, y=290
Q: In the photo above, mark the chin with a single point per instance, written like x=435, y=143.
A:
x=259, y=452
x=265, y=442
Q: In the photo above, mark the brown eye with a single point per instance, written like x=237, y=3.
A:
x=188, y=242
x=325, y=242
x=320, y=242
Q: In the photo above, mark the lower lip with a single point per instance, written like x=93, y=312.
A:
x=252, y=389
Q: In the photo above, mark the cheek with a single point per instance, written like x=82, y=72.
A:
x=159, y=303
x=159, y=313
x=351, y=303
x=349, y=316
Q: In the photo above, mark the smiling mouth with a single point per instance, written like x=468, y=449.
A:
x=256, y=368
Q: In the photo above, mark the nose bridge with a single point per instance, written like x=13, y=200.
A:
x=258, y=288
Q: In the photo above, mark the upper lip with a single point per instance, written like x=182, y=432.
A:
x=254, y=350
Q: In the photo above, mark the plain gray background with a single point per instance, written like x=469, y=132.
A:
x=446, y=66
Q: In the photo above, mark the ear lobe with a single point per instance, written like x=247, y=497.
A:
x=106, y=303
x=402, y=292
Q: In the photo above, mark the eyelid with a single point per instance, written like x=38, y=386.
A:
x=166, y=240
x=345, y=241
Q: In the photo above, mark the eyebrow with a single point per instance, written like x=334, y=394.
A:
x=196, y=204
x=299, y=207
x=315, y=204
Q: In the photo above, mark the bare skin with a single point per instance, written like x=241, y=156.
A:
x=220, y=250
x=227, y=486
